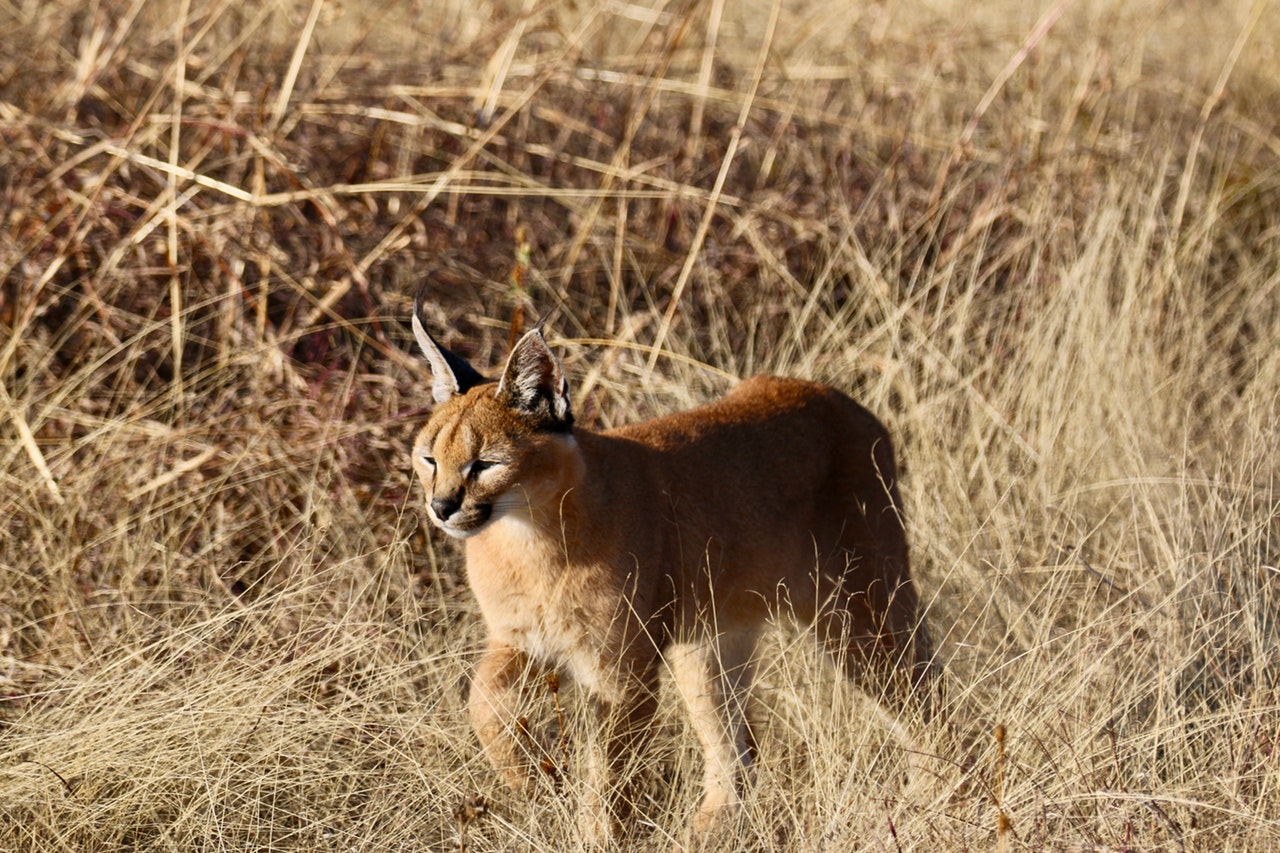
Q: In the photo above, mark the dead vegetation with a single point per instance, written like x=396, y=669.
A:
x=1042, y=241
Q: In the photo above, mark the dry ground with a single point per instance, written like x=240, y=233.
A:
x=1041, y=239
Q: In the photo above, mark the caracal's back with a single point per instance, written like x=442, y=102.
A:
x=777, y=494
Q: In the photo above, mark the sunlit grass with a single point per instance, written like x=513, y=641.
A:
x=1041, y=241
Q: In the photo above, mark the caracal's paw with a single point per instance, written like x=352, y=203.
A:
x=714, y=826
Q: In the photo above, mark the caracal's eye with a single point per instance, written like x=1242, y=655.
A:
x=429, y=460
x=481, y=465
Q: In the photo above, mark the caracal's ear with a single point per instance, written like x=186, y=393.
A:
x=450, y=375
x=533, y=382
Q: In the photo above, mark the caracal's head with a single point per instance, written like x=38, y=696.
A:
x=493, y=450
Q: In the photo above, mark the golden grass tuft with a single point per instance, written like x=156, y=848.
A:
x=1041, y=240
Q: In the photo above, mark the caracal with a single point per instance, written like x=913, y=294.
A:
x=664, y=544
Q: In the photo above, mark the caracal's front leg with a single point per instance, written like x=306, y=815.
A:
x=714, y=678
x=625, y=728
x=497, y=694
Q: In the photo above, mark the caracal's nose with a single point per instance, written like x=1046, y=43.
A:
x=445, y=507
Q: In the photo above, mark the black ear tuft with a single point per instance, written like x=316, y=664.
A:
x=533, y=383
x=450, y=375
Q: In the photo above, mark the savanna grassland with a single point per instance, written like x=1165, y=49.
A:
x=1041, y=240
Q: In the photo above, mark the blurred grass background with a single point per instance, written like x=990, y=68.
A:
x=1041, y=240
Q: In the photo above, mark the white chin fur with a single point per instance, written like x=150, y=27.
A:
x=455, y=532
x=459, y=532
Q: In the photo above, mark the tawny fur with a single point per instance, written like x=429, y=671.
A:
x=673, y=541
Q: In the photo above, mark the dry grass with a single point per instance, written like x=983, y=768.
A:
x=1042, y=240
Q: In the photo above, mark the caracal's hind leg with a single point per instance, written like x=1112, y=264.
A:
x=497, y=696
x=913, y=652
x=876, y=636
x=871, y=621
x=873, y=637
x=714, y=678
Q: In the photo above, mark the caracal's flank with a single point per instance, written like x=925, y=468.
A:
x=608, y=555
